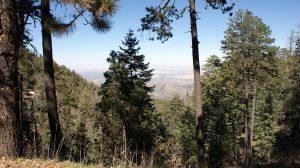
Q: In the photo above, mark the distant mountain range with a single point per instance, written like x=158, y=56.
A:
x=168, y=81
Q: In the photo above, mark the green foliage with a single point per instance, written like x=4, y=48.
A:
x=97, y=14
x=125, y=98
x=76, y=100
x=291, y=94
x=187, y=138
x=223, y=113
x=27, y=11
x=248, y=44
x=251, y=58
x=159, y=19
x=79, y=143
x=171, y=117
x=180, y=144
x=27, y=82
x=126, y=126
x=286, y=148
x=265, y=127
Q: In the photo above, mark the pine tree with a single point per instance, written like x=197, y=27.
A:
x=9, y=94
x=100, y=14
x=172, y=117
x=287, y=142
x=125, y=95
x=159, y=20
x=27, y=11
x=76, y=101
x=188, y=145
x=214, y=110
x=222, y=110
x=27, y=83
x=249, y=49
x=293, y=95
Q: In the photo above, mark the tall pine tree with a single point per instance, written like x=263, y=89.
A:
x=100, y=13
x=125, y=95
x=9, y=93
x=159, y=20
x=250, y=52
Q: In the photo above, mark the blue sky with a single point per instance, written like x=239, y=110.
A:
x=86, y=49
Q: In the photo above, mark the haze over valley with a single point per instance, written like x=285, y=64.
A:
x=168, y=81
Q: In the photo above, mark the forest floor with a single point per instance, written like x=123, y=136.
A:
x=39, y=163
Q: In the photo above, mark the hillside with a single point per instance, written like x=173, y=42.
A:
x=76, y=105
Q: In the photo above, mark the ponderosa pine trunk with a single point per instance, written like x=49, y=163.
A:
x=10, y=134
x=246, y=142
x=55, y=129
x=252, y=123
x=197, y=85
x=248, y=155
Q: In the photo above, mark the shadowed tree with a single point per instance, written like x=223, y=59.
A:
x=9, y=94
x=28, y=13
x=99, y=12
x=159, y=19
x=292, y=104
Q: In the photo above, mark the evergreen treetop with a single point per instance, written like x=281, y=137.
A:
x=125, y=94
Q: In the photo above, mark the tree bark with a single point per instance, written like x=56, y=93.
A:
x=10, y=144
x=55, y=129
x=197, y=85
x=252, y=122
x=246, y=142
x=248, y=152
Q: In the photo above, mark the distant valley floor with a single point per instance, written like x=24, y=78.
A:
x=168, y=81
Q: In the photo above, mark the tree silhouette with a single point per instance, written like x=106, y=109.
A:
x=100, y=12
x=159, y=19
x=125, y=94
x=10, y=139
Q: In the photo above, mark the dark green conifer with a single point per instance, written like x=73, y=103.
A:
x=126, y=95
